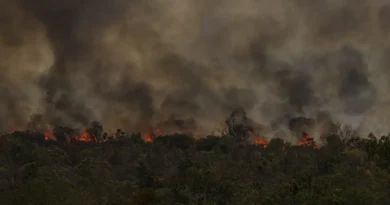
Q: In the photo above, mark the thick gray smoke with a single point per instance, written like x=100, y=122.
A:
x=122, y=62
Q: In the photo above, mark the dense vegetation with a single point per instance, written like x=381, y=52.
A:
x=181, y=170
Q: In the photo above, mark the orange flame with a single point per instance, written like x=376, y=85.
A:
x=148, y=137
x=82, y=137
x=85, y=137
x=260, y=142
x=307, y=141
x=48, y=136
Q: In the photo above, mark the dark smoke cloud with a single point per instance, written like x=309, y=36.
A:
x=126, y=62
x=356, y=91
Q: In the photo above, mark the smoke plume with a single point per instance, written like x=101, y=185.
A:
x=123, y=62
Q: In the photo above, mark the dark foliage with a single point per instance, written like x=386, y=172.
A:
x=178, y=169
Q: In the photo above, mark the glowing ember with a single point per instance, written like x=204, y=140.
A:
x=307, y=141
x=148, y=137
x=85, y=137
x=260, y=142
x=48, y=136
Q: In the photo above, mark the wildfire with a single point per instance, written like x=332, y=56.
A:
x=307, y=141
x=85, y=137
x=82, y=137
x=48, y=136
x=149, y=135
x=260, y=142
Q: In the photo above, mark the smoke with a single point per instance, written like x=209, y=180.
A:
x=122, y=62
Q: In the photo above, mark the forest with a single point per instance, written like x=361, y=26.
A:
x=166, y=72
x=97, y=168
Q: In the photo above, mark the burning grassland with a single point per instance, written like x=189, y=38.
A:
x=166, y=74
x=238, y=126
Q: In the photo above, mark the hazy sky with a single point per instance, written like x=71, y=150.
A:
x=126, y=61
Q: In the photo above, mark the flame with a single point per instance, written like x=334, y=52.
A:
x=307, y=141
x=260, y=142
x=85, y=137
x=49, y=135
x=148, y=137
x=82, y=137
